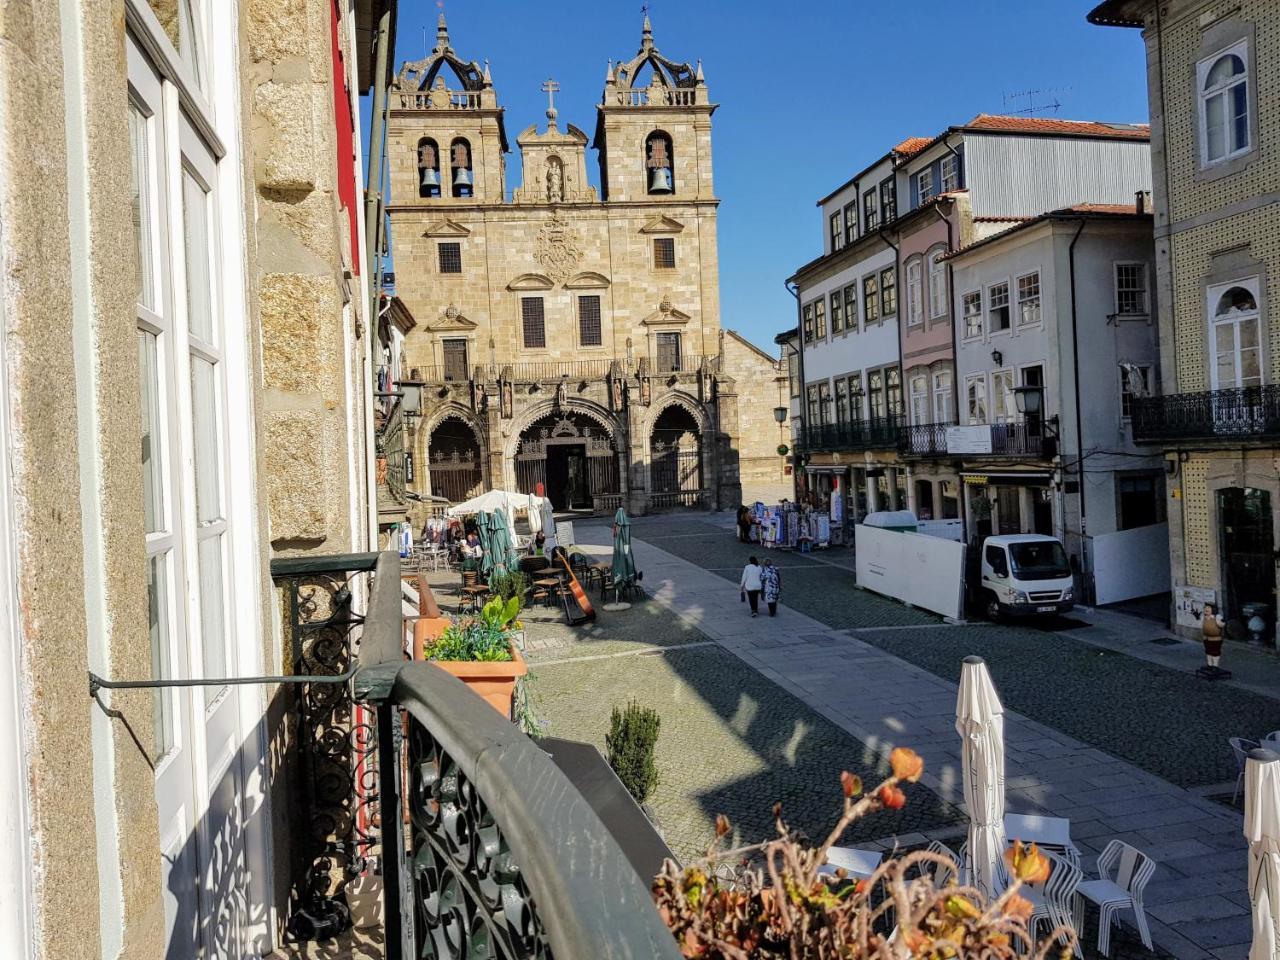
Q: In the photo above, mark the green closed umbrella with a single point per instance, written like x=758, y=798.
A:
x=624, y=562
x=500, y=538
x=484, y=527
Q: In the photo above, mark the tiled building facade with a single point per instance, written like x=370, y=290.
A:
x=1212, y=67
x=566, y=336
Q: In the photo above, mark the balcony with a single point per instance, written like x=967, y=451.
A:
x=413, y=791
x=878, y=434
x=924, y=440
x=1022, y=440
x=1234, y=415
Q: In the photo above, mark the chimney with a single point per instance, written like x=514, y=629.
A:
x=1142, y=200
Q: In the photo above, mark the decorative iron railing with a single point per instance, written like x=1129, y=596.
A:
x=1235, y=414
x=877, y=434
x=503, y=857
x=923, y=439
x=672, y=499
x=390, y=445
x=334, y=736
x=1020, y=440
x=575, y=370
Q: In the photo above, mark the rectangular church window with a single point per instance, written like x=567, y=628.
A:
x=534, y=322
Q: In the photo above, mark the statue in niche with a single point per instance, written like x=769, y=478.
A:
x=562, y=392
x=555, y=180
x=617, y=393
x=506, y=399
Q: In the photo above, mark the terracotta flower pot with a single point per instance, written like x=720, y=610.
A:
x=495, y=681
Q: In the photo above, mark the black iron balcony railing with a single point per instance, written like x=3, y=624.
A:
x=390, y=445
x=877, y=434
x=924, y=439
x=1020, y=439
x=1231, y=415
x=483, y=846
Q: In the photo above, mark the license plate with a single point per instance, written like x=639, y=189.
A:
x=1049, y=609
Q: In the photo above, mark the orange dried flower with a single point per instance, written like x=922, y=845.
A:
x=722, y=825
x=892, y=798
x=1019, y=908
x=1027, y=863
x=906, y=764
x=850, y=783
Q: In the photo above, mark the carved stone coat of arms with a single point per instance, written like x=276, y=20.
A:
x=558, y=249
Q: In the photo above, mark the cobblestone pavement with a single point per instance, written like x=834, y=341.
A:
x=731, y=742
x=1165, y=720
x=1197, y=902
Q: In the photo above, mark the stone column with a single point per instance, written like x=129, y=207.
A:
x=727, y=491
x=936, y=485
x=634, y=472
x=873, y=493
x=911, y=491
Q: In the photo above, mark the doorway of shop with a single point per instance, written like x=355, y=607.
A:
x=1247, y=546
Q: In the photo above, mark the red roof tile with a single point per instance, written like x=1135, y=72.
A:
x=913, y=145
x=1049, y=126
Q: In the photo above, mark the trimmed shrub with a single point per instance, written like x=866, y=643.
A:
x=633, y=734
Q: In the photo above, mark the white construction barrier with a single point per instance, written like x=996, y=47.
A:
x=1130, y=563
x=921, y=570
x=946, y=529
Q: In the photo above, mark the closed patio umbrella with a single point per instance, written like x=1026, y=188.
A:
x=484, y=528
x=624, y=562
x=500, y=538
x=980, y=723
x=1262, y=830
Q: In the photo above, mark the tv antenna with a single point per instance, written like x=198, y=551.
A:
x=1037, y=102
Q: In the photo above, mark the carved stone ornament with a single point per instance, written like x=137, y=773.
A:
x=558, y=248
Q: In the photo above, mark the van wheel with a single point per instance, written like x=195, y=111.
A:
x=991, y=607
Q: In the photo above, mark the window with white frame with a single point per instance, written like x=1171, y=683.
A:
x=1029, y=299
x=972, y=304
x=870, y=211
x=950, y=173
x=937, y=285
x=1135, y=381
x=888, y=291
x=1003, y=409
x=942, y=396
x=975, y=391
x=915, y=291
x=820, y=318
x=1131, y=290
x=837, y=312
x=1224, y=104
x=924, y=184
x=871, y=298
x=875, y=395
x=842, y=400
x=918, y=390
x=808, y=322
x=1235, y=326
x=998, y=307
x=850, y=222
x=837, y=232
x=851, y=307
x=855, y=396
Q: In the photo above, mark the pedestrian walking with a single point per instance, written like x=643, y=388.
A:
x=750, y=584
x=771, y=586
x=744, y=524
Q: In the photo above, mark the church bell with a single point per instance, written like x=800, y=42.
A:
x=660, y=180
x=430, y=177
x=462, y=177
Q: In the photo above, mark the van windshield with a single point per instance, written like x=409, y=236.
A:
x=1039, y=560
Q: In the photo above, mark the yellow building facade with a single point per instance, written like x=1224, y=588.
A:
x=1216, y=163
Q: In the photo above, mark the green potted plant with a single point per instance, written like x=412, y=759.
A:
x=481, y=652
x=631, y=740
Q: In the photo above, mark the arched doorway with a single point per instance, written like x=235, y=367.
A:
x=455, y=465
x=572, y=456
x=675, y=452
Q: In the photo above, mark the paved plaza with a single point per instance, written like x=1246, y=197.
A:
x=1103, y=726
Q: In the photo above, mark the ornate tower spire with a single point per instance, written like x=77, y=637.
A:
x=646, y=32
x=442, y=35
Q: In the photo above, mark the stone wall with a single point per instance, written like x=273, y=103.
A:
x=762, y=386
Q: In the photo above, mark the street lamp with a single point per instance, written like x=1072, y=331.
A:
x=780, y=414
x=1030, y=400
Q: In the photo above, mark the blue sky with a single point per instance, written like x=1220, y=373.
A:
x=836, y=82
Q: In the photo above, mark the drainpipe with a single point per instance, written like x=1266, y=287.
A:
x=1075, y=363
x=374, y=180
x=794, y=290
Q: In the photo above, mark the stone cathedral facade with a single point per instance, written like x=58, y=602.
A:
x=566, y=336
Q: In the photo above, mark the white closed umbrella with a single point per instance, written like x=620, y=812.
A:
x=980, y=723
x=1262, y=830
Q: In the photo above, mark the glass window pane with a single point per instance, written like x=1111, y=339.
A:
x=204, y=429
x=140, y=184
x=1249, y=333
x=213, y=640
x=195, y=220
x=1240, y=116
x=1216, y=124
x=158, y=624
x=191, y=37
x=152, y=433
x=1250, y=368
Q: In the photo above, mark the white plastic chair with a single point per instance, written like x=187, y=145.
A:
x=1054, y=903
x=1240, y=747
x=938, y=872
x=1123, y=874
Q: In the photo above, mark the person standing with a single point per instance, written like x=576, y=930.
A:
x=750, y=584
x=771, y=586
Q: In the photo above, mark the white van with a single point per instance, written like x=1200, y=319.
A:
x=1025, y=575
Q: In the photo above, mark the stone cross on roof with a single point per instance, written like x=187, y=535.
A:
x=549, y=87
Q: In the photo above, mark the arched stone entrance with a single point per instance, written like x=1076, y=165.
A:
x=455, y=461
x=675, y=453
x=572, y=455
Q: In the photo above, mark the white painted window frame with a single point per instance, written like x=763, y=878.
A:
x=1146, y=288
x=1212, y=294
x=1239, y=48
x=915, y=291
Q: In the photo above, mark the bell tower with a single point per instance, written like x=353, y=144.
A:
x=446, y=142
x=653, y=129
